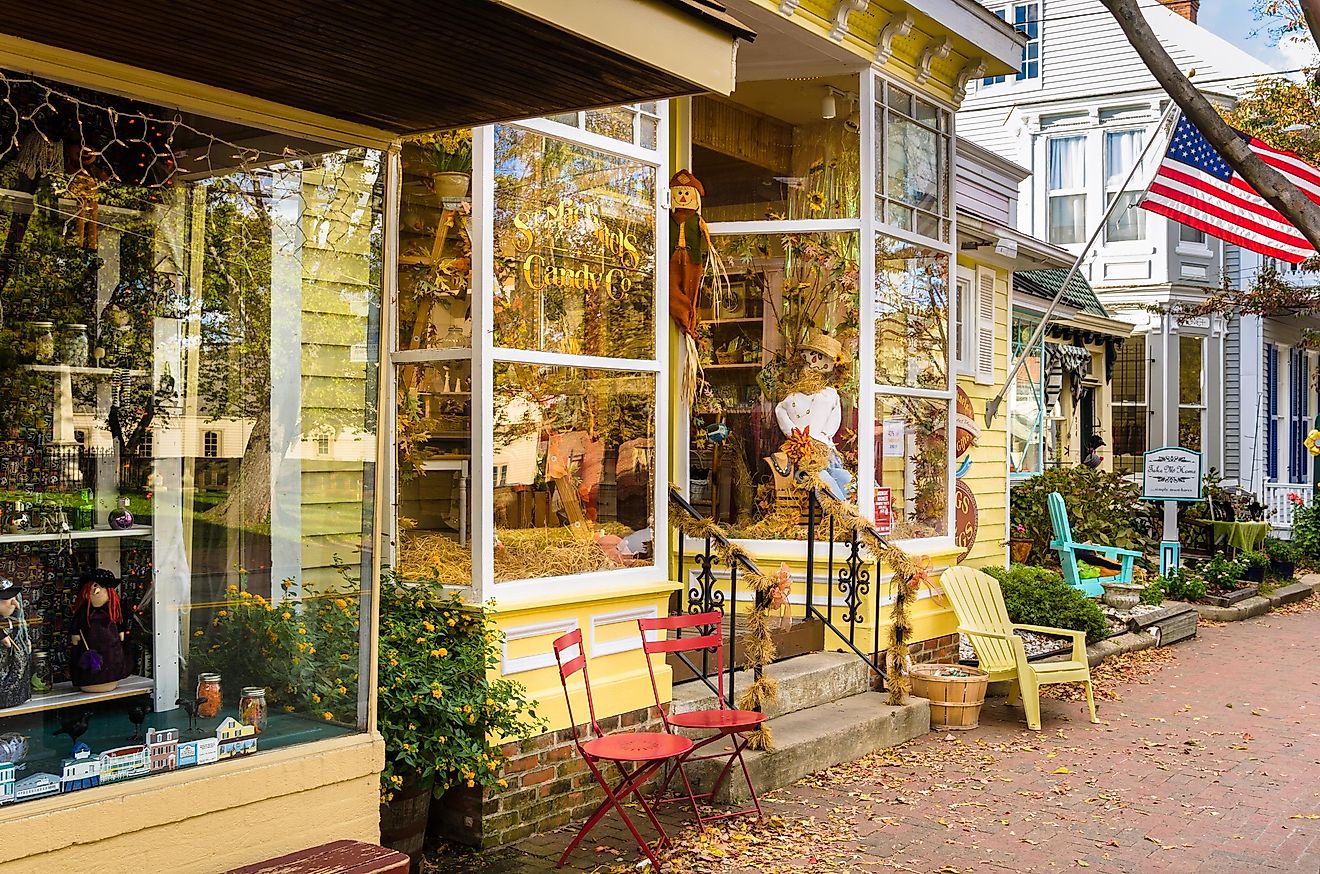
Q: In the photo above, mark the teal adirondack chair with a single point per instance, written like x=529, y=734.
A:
x=1068, y=548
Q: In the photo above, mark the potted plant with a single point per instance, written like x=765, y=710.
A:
x=448, y=157
x=1283, y=557
x=441, y=715
x=1019, y=543
x=1255, y=563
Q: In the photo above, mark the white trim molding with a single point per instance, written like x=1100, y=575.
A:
x=621, y=644
x=535, y=661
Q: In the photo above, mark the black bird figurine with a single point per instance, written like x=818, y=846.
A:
x=137, y=714
x=190, y=706
x=75, y=726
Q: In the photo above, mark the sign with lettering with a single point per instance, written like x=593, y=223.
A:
x=1172, y=474
x=884, y=509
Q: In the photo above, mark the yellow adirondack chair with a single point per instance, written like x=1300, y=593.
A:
x=979, y=605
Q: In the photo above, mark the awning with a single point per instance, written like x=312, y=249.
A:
x=389, y=68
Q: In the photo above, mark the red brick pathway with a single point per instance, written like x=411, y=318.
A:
x=1213, y=765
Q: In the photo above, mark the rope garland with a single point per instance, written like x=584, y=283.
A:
x=758, y=646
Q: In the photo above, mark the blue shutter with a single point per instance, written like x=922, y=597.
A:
x=1296, y=392
x=1271, y=412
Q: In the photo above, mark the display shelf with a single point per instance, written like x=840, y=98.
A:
x=94, y=534
x=80, y=371
x=64, y=695
x=744, y=320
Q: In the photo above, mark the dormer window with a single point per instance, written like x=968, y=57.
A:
x=1026, y=18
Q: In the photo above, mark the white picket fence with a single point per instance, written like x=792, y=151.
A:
x=1279, y=508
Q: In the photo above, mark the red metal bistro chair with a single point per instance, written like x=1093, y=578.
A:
x=650, y=749
x=725, y=722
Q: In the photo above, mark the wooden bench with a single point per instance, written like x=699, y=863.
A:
x=337, y=857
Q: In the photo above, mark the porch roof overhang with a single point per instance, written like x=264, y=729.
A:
x=374, y=72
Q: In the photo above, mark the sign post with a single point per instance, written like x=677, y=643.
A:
x=1171, y=474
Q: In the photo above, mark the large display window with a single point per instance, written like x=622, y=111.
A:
x=828, y=310
x=530, y=385
x=189, y=313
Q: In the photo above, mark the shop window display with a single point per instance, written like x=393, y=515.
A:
x=778, y=346
x=177, y=309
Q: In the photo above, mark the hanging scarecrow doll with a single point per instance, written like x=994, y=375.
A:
x=690, y=253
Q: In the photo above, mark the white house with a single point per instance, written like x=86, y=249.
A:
x=1078, y=116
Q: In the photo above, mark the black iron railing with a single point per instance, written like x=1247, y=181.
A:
x=703, y=594
x=852, y=582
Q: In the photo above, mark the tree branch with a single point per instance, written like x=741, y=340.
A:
x=1288, y=199
x=1311, y=13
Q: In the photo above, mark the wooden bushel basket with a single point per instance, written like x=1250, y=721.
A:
x=955, y=701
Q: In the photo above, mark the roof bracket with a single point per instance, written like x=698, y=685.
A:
x=936, y=49
x=973, y=69
x=898, y=26
x=788, y=7
x=842, y=10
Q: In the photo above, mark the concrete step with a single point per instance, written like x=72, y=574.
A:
x=816, y=738
x=805, y=681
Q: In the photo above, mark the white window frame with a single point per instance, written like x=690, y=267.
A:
x=1025, y=73
x=964, y=321
x=1080, y=190
x=484, y=355
x=1204, y=389
x=1112, y=187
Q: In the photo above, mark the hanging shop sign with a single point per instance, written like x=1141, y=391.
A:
x=966, y=521
x=1172, y=473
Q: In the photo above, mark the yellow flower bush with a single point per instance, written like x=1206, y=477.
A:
x=437, y=708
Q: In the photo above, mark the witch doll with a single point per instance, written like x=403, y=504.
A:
x=15, y=647
x=96, y=634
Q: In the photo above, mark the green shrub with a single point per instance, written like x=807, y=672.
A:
x=1103, y=508
x=1253, y=558
x=1037, y=596
x=1180, y=584
x=1222, y=573
x=1154, y=592
x=1306, y=529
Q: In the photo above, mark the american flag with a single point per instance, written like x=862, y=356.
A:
x=1195, y=186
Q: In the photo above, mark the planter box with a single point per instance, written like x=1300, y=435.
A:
x=1169, y=624
x=1282, y=570
x=1254, y=575
x=1228, y=599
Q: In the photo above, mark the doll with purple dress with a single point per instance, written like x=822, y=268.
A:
x=96, y=634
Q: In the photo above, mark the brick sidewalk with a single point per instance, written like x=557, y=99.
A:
x=1210, y=766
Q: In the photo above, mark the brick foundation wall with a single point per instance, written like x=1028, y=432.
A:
x=937, y=650
x=549, y=786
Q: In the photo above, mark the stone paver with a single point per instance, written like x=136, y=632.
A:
x=1210, y=766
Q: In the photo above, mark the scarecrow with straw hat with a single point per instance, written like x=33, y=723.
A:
x=690, y=255
x=811, y=414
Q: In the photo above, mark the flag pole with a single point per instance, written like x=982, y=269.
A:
x=992, y=406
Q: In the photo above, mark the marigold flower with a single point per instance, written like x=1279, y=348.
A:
x=316, y=699
x=328, y=716
x=222, y=613
x=286, y=615
x=436, y=693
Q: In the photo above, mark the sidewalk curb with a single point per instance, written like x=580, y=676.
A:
x=1259, y=605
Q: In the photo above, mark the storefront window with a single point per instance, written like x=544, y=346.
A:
x=1130, y=406
x=575, y=248
x=1026, y=424
x=636, y=123
x=912, y=465
x=911, y=315
x=770, y=155
x=913, y=156
x=575, y=470
x=187, y=321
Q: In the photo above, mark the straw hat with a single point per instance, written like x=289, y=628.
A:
x=825, y=345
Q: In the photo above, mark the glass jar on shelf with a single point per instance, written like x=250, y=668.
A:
x=43, y=342
x=252, y=707
x=84, y=515
x=121, y=518
x=208, y=695
x=74, y=346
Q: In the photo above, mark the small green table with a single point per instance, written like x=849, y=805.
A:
x=1239, y=535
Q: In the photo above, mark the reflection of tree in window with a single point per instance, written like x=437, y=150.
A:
x=912, y=315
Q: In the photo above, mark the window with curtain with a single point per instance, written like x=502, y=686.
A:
x=1026, y=418
x=1067, y=190
x=1128, y=221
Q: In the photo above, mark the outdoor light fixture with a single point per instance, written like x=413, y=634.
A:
x=1006, y=247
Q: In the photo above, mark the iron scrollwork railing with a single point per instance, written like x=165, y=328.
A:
x=852, y=581
x=704, y=594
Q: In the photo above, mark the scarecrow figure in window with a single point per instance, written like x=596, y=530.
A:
x=811, y=414
x=690, y=256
